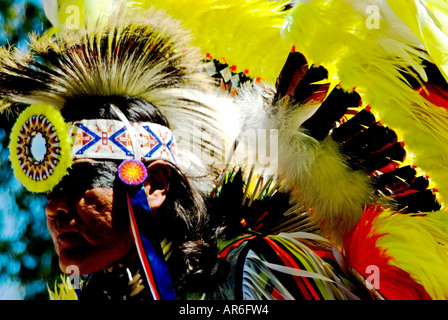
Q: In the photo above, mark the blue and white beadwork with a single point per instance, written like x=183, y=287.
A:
x=109, y=139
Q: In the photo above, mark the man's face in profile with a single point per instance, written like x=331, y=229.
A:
x=88, y=220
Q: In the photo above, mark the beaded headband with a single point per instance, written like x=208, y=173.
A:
x=43, y=146
x=111, y=139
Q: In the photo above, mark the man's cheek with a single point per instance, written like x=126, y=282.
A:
x=95, y=217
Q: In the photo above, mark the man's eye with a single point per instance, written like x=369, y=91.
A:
x=57, y=191
x=84, y=177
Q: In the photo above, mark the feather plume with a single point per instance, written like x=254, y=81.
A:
x=426, y=27
x=408, y=250
x=291, y=257
x=342, y=36
x=103, y=63
x=324, y=182
x=310, y=162
x=418, y=245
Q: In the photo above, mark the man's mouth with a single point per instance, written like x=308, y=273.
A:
x=70, y=240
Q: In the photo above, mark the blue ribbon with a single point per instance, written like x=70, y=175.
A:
x=151, y=244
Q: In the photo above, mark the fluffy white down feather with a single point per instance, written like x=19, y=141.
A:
x=315, y=171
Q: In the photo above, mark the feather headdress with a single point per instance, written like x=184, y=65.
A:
x=372, y=59
x=146, y=55
x=311, y=164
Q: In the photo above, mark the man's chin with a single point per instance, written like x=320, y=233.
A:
x=72, y=261
x=86, y=260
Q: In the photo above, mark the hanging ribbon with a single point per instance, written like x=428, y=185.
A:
x=148, y=247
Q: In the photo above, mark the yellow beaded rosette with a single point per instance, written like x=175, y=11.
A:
x=40, y=148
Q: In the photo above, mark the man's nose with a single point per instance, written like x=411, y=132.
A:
x=57, y=206
x=59, y=212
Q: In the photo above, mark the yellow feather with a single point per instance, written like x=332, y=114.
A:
x=63, y=290
x=418, y=245
x=440, y=10
x=245, y=33
x=425, y=25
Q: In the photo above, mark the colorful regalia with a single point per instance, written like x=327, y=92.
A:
x=318, y=130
